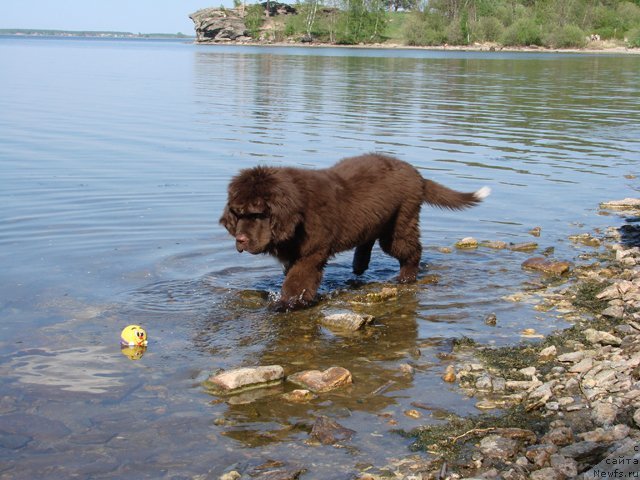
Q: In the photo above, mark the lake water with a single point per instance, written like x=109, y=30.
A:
x=114, y=160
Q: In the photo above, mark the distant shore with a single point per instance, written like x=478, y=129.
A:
x=600, y=48
x=32, y=32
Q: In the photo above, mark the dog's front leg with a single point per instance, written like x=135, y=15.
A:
x=301, y=282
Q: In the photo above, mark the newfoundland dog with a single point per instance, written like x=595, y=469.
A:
x=303, y=217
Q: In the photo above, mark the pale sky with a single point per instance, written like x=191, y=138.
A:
x=135, y=16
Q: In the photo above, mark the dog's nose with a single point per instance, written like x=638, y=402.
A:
x=241, y=242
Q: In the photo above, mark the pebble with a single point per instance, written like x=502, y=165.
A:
x=449, y=374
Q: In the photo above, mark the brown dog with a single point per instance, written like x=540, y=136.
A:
x=303, y=217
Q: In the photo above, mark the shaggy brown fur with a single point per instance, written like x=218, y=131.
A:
x=303, y=217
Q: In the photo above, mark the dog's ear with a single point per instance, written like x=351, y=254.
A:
x=285, y=209
x=228, y=220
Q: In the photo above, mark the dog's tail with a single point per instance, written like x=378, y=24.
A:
x=438, y=195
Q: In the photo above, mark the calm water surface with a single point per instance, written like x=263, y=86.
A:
x=114, y=159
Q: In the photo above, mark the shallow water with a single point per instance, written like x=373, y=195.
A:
x=114, y=159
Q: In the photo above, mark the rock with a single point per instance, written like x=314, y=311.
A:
x=523, y=247
x=497, y=245
x=413, y=413
x=548, y=267
x=495, y=446
x=467, y=243
x=548, y=353
x=383, y=295
x=567, y=467
x=604, y=413
x=328, y=432
x=449, y=374
x=636, y=417
x=217, y=25
x=232, y=475
x=621, y=204
x=528, y=371
x=319, y=382
x=483, y=382
x=547, y=473
x=572, y=357
x=540, y=454
x=614, y=311
x=346, y=321
x=558, y=436
x=585, y=451
x=243, y=378
x=299, y=396
x=491, y=320
x=582, y=366
x=604, y=338
x=535, y=231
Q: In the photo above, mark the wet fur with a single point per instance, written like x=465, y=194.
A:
x=304, y=216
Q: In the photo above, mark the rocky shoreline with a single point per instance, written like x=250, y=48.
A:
x=565, y=407
x=570, y=405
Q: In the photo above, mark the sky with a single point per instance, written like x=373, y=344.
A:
x=135, y=16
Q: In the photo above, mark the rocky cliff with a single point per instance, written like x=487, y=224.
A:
x=217, y=25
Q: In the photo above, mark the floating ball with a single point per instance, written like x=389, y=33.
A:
x=133, y=336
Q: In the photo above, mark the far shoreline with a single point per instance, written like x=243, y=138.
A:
x=483, y=48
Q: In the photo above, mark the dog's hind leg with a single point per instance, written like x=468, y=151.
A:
x=402, y=241
x=361, y=257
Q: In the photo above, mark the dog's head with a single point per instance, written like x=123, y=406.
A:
x=264, y=207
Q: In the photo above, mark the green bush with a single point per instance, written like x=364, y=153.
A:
x=633, y=38
x=568, y=36
x=487, y=29
x=254, y=19
x=522, y=33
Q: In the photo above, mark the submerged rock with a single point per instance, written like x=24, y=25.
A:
x=299, y=396
x=346, y=321
x=320, y=382
x=523, y=247
x=467, y=243
x=329, y=432
x=243, y=378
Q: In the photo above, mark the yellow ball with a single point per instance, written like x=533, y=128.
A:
x=133, y=335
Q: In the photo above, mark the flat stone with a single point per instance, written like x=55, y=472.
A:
x=497, y=244
x=603, y=338
x=346, y=321
x=571, y=357
x=242, y=378
x=319, y=382
x=496, y=446
x=585, y=451
x=523, y=247
x=621, y=204
x=582, y=366
x=549, y=267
